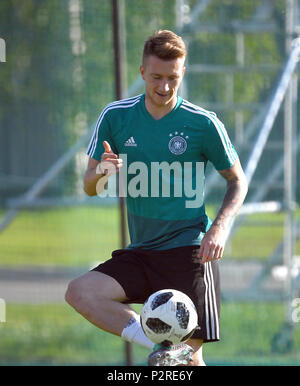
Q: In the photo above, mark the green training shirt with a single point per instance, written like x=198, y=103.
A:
x=164, y=168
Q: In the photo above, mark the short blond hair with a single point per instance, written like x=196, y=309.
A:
x=164, y=44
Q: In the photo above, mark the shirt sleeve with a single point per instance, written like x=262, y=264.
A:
x=218, y=148
x=101, y=133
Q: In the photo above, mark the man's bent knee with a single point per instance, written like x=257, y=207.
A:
x=93, y=285
x=73, y=293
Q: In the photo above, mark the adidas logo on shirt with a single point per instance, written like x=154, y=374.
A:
x=130, y=142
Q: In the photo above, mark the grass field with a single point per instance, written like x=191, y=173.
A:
x=55, y=334
x=83, y=235
x=66, y=236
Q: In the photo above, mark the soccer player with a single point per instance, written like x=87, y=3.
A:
x=173, y=243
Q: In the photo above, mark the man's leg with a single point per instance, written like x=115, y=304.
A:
x=98, y=298
x=197, y=345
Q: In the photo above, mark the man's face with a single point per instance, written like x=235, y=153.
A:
x=162, y=79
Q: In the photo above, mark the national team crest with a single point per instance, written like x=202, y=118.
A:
x=177, y=143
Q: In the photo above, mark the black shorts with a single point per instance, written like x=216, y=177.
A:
x=141, y=272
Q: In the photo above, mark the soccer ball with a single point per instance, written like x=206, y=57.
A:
x=169, y=317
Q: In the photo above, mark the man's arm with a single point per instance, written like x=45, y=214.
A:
x=96, y=171
x=213, y=243
x=92, y=177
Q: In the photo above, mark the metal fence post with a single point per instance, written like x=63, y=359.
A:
x=119, y=50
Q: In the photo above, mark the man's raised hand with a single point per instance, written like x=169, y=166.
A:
x=110, y=163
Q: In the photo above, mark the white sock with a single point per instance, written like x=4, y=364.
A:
x=134, y=333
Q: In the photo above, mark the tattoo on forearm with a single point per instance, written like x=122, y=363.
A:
x=232, y=202
x=221, y=221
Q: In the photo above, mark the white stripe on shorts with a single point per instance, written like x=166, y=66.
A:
x=211, y=312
